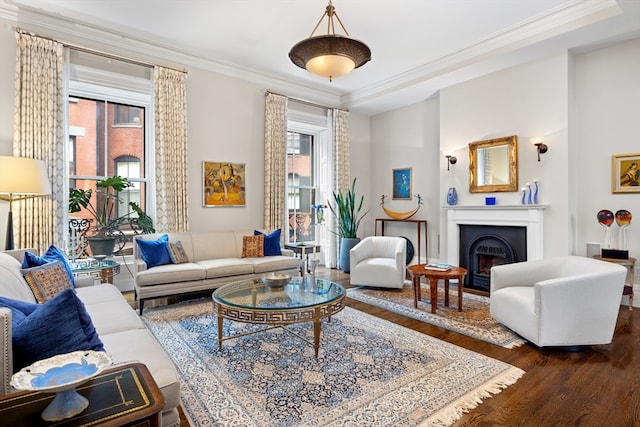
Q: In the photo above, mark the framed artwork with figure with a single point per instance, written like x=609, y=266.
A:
x=402, y=184
x=223, y=184
x=625, y=173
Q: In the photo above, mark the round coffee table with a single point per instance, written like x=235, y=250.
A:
x=250, y=301
x=433, y=276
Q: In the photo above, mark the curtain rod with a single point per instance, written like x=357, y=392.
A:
x=100, y=53
x=302, y=101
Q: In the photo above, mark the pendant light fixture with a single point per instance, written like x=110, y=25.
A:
x=331, y=55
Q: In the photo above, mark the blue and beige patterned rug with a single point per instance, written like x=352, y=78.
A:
x=474, y=320
x=369, y=372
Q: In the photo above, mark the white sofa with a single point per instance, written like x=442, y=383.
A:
x=123, y=334
x=567, y=301
x=379, y=261
x=215, y=258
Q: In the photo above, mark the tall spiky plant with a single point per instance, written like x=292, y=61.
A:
x=346, y=213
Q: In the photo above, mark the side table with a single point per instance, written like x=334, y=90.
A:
x=104, y=270
x=304, y=249
x=433, y=276
x=630, y=263
x=125, y=395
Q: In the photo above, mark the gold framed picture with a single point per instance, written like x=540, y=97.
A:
x=625, y=173
x=223, y=184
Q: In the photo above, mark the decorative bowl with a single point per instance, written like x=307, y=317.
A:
x=62, y=371
x=276, y=280
x=61, y=374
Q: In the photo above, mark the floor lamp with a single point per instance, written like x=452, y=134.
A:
x=20, y=179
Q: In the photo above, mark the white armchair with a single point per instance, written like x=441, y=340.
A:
x=379, y=261
x=567, y=301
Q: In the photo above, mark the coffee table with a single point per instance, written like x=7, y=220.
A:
x=416, y=271
x=250, y=301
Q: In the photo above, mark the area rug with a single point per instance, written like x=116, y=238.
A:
x=474, y=320
x=369, y=372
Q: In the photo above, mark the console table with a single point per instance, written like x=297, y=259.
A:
x=125, y=395
x=418, y=223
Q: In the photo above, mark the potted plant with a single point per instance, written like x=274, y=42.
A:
x=105, y=227
x=347, y=215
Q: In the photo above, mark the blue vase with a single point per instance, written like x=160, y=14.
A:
x=452, y=196
x=535, y=194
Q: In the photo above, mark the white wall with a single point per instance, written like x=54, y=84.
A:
x=607, y=106
x=530, y=100
x=407, y=138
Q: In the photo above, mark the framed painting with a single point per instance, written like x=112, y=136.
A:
x=625, y=173
x=223, y=184
x=402, y=184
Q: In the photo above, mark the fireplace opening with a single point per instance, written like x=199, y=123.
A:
x=482, y=247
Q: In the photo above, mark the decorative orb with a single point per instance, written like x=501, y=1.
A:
x=623, y=217
x=605, y=217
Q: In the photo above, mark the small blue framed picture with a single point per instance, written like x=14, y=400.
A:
x=402, y=184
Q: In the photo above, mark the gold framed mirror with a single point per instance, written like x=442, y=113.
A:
x=493, y=165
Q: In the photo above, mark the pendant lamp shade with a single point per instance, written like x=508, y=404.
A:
x=331, y=55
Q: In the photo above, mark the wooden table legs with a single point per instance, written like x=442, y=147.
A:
x=433, y=290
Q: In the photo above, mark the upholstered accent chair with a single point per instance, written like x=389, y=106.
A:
x=379, y=261
x=568, y=301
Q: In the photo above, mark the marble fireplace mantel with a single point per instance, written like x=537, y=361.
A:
x=529, y=216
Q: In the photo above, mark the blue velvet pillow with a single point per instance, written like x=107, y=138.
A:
x=60, y=325
x=155, y=252
x=271, y=242
x=52, y=254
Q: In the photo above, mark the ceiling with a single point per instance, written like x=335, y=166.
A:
x=418, y=46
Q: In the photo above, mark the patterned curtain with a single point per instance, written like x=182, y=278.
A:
x=341, y=167
x=38, y=133
x=170, y=104
x=275, y=154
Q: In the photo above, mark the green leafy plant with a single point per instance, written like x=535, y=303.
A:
x=105, y=224
x=347, y=212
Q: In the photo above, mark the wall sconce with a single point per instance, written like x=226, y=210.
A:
x=451, y=160
x=540, y=146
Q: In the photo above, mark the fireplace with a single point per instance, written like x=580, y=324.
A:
x=528, y=219
x=484, y=246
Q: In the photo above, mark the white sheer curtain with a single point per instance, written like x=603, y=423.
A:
x=170, y=107
x=275, y=156
x=38, y=133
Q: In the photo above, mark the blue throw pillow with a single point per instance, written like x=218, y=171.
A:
x=52, y=254
x=155, y=252
x=60, y=325
x=271, y=242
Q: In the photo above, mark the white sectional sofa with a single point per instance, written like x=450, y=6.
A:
x=214, y=259
x=124, y=336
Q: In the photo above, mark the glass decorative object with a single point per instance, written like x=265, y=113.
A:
x=605, y=219
x=623, y=219
x=536, y=189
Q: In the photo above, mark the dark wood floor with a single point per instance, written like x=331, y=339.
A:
x=599, y=386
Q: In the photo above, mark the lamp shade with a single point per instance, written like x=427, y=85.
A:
x=23, y=177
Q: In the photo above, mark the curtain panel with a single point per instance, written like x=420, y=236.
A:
x=275, y=156
x=38, y=133
x=171, y=167
x=341, y=165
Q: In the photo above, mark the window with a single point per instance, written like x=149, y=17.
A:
x=127, y=115
x=105, y=150
x=108, y=106
x=301, y=189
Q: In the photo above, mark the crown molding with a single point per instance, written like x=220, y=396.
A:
x=73, y=33
x=568, y=17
